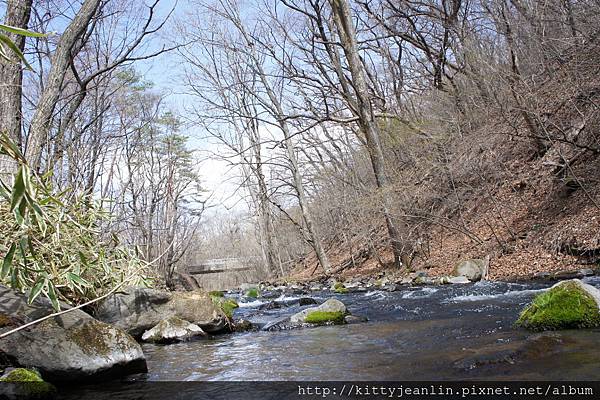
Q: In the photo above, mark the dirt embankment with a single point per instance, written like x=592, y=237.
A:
x=530, y=203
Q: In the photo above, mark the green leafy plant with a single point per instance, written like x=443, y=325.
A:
x=227, y=305
x=52, y=244
x=7, y=46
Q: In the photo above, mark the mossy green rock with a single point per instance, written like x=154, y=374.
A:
x=22, y=383
x=21, y=375
x=339, y=288
x=325, y=317
x=332, y=308
x=566, y=305
x=252, y=293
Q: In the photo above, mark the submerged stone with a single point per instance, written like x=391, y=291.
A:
x=306, y=301
x=243, y=325
x=566, y=305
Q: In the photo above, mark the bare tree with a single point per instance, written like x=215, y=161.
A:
x=18, y=13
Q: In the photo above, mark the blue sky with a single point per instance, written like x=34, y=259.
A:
x=166, y=72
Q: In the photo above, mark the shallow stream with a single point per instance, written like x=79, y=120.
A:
x=418, y=333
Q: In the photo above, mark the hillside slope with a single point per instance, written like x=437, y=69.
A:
x=532, y=203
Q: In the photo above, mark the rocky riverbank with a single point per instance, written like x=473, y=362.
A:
x=104, y=343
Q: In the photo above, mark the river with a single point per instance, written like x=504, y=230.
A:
x=450, y=332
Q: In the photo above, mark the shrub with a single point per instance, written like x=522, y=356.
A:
x=226, y=305
x=52, y=244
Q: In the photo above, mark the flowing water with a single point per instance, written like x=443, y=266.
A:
x=451, y=332
x=425, y=333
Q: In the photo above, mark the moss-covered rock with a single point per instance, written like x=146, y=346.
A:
x=22, y=383
x=339, y=288
x=137, y=310
x=566, y=305
x=329, y=307
x=253, y=293
x=69, y=347
x=5, y=320
x=216, y=293
x=325, y=317
x=22, y=375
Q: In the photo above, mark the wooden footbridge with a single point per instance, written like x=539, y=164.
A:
x=218, y=265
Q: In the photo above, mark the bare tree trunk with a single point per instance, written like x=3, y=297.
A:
x=279, y=115
x=303, y=202
x=42, y=119
x=11, y=79
x=366, y=118
x=264, y=205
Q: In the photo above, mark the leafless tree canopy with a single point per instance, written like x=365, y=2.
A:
x=400, y=133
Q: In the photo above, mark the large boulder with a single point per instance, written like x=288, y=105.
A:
x=71, y=347
x=474, y=270
x=138, y=309
x=566, y=305
x=173, y=330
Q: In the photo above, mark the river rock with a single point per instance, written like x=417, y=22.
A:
x=458, y=280
x=172, y=330
x=339, y=287
x=70, y=347
x=568, y=304
x=474, y=270
x=272, y=305
x=279, y=324
x=390, y=287
x=407, y=280
x=355, y=319
x=243, y=325
x=26, y=384
x=306, y=301
x=138, y=309
x=331, y=305
x=299, y=319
